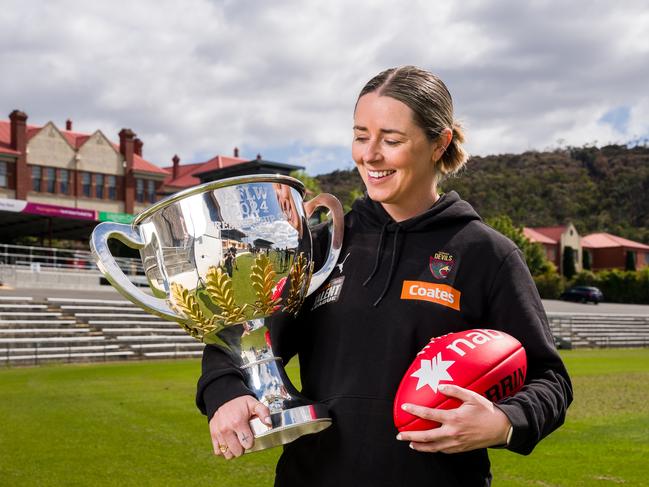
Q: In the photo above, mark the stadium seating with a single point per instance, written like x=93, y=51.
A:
x=35, y=331
x=599, y=330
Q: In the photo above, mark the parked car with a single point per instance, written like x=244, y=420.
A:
x=582, y=294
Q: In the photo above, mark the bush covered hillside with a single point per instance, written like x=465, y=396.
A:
x=598, y=189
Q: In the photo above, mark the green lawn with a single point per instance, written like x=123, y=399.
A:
x=136, y=424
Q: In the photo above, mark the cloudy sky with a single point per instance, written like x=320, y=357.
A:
x=198, y=77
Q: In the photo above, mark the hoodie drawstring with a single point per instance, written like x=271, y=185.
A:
x=396, y=251
x=379, y=249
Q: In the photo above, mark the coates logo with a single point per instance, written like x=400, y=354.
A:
x=432, y=292
x=441, y=264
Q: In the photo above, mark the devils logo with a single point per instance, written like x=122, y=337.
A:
x=441, y=264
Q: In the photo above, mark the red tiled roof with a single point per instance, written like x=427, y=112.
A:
x=554, y=233
x=142, y=165
x=75, y=139
x=534, y=236
x=606, y=240
x=187, y=178
x=5, y=138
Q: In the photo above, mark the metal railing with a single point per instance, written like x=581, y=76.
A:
x=50, y=258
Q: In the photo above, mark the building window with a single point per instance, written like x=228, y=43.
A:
x=151, y=190
x=99, y=186
x=64, y=178
x=50, y=180
x=576, y=256
x=112, y=187
x=646, y=258
x=85, y=184
x=139, y=190
x=36, y=178
x=3, y=175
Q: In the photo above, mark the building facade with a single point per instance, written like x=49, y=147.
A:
x=52, y=166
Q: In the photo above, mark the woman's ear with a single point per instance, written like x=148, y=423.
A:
x=443, y=141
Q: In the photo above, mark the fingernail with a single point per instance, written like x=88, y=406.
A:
x=268, y=421
x=410, y=446
x=441, y=388
x=405, y=407
x=399, y=437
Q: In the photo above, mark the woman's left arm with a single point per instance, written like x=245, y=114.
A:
x=514, y=306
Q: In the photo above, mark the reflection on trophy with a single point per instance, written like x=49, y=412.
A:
x=222, y=258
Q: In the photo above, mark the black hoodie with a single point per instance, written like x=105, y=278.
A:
x=356, y=341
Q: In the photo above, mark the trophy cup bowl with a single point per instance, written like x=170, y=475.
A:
x=221, y=258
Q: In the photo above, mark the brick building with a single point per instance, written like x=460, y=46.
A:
x=49, y=165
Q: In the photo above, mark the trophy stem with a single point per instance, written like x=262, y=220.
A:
x=291, y=414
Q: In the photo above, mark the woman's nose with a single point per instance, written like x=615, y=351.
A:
x=372, y=152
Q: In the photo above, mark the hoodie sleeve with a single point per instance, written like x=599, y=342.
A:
x=221, y=380
x=515, y=307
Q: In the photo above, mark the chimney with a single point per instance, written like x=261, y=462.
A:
x=126, y=147
x=176, y=160
x=68, y=125
x=259, y=157
x=236, y=152
x=137, y=146
x=18, y=128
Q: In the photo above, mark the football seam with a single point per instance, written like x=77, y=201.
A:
x=465, y=387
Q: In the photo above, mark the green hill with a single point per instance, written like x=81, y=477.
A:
x=598, y=189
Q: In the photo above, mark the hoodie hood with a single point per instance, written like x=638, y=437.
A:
x=449, y=209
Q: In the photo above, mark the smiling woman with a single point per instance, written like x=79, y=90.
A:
x=417, y=265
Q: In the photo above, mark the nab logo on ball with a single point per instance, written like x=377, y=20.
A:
x=489, y=362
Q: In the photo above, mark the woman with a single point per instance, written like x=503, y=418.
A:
x=353, y=351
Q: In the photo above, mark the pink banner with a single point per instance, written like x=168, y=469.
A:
x=60, y=211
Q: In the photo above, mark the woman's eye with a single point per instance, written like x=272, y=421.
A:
x=360, y=138
x=392, y=142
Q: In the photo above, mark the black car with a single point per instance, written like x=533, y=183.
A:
x=582, y=294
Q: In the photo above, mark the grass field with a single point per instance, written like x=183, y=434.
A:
x=136, y=424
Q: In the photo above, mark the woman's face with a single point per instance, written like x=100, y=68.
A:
x=394, y=156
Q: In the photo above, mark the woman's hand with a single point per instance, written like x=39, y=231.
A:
x=229, y=427
x=477, y=423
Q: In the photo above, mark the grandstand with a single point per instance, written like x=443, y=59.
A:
x=54, y=308
x=40, y=329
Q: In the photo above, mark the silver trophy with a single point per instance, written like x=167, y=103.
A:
x=221, y=258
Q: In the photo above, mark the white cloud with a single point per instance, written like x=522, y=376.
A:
x=200, y=77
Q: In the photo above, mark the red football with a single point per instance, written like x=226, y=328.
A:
x=489, y=362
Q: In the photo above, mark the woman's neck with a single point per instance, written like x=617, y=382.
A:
x=400, y=212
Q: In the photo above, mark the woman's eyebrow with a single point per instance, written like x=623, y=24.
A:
x=385, y=131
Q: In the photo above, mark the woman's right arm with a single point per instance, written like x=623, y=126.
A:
x=228, y=403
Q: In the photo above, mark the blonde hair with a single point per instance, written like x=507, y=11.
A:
x=429, y=99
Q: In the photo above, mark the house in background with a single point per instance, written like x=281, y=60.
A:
x=555, y=240
x=610, y=251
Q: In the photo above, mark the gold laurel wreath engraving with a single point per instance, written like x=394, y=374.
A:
x=299, y=275
x=185, y=302
x=262, y=278
x=219, y=288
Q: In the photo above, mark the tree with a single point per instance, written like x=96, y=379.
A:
x=534, y=254
x=311, y=184
x=569, y=262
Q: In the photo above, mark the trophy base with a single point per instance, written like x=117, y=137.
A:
x=288, y=425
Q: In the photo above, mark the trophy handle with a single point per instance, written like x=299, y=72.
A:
x=129, y=236
x=331, y=202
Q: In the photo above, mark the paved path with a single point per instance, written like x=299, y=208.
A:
x=602, y=308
